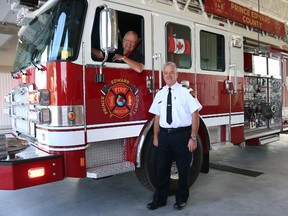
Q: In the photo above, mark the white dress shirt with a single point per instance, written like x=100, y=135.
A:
x=183, y=105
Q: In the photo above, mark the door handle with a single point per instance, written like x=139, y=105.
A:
x=157, y=57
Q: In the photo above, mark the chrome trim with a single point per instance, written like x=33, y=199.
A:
x=44, y=115
x=116, y=124
x=208, y=137
x=84, y=87
x=8, y=98
x=142, y=139
x=261, y=133
x=23, y=127
x=40, y=116
x=24, y=113
x=59, y=115
x=19, y=93
x=8, y=111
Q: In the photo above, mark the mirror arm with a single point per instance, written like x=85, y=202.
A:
x=105, y=57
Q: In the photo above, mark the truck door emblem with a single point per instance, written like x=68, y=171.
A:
x=119, y=98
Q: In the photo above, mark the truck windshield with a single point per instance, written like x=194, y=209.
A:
x=52, y=36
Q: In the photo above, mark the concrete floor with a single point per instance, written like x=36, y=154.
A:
x=219, y=193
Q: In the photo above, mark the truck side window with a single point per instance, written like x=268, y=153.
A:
x=126, y=22
x=212, y=51
x=178, y=45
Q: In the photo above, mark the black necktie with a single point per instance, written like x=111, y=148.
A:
x=169, y=108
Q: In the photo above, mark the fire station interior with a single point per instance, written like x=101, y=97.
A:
x=248, y=180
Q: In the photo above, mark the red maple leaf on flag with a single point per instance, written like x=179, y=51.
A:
x=179, y=45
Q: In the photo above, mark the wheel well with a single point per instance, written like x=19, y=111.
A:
x=147, y=173
x=141, y=140
x=202, y=132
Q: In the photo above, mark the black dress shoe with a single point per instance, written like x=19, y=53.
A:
x=179, y=206
x=154, y=205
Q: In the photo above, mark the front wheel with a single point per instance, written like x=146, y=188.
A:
x=147, y=172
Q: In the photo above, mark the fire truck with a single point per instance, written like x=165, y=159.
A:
x=74, y=115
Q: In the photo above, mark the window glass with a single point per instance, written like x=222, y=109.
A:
x=126, y=22
x=178, y=45
x=54, y=35
x=259, y=65
x=274, y=67
x=212, y=51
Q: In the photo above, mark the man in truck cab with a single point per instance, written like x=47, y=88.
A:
x=127, y=53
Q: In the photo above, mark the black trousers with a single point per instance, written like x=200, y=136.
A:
x=172, y=146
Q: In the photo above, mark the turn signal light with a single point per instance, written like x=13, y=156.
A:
x=71, y=116
x=36, y=172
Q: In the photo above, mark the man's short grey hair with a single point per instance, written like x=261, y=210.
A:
x=132, y=33
x=170, y=64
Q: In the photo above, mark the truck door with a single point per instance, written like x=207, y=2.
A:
x=172, y=41
x=119, y=103
x=219, y=60
x=236, y=77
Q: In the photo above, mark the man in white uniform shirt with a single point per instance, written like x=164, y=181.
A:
x=176, y=126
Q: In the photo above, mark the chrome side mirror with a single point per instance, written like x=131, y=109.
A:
x=108, y=30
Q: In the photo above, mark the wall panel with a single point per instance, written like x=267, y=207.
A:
x=5, y=87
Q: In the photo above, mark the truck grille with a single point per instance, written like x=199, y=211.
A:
x=19, y=107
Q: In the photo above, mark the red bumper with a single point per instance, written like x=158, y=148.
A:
x=30, y=169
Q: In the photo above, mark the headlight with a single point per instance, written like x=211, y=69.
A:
x=40, y=116
x=39, y=97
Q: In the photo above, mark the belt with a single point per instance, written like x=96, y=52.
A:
x=175, y=130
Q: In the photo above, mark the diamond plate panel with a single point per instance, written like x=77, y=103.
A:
x=105, y=153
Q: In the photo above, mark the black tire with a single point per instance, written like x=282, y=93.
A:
x=147, y=172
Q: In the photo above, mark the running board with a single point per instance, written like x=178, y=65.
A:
x=112, y=169
x=269, y=139
x=263, y=140
x=220, y=145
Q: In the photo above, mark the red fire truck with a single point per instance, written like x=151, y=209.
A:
x=76, y=116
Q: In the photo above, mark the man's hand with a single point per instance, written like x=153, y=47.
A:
x=155, y=141
x=192, y=145
x=117, y=57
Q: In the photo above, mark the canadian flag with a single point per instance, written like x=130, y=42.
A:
x=178, y=46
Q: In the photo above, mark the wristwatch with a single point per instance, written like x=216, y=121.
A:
x=194, y=138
